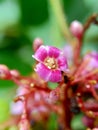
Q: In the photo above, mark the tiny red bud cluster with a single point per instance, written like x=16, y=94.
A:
x=37, y=43
x=4, y=72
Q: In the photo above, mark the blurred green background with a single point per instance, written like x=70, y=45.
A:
x=21, y=21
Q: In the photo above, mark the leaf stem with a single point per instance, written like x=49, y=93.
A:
x=61, y=18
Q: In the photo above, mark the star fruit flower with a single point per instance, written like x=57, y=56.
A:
x=51, y=63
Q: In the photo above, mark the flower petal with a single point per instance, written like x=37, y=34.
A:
x=16, y=108
x=87, y=121
x=53, y=51
x=68, y=52
x=94, y=54
x=43, y=71
x=93, y=60
x=40, y=54
x=62, y=63
x=55, y=76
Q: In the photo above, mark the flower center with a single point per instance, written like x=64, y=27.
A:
x=51, y=63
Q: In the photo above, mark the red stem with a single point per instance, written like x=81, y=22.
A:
x=67, y=114
x=77, y=51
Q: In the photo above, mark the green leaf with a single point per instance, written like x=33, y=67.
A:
x=33, y=11
x=13, y=128
x=4, y=110
x=92, y=5
x=9, y=14
x=52, y=85
x=52, y=123
x=13, y=61
x=90, y=42
x=91, y=34
x=48, y=32
x=76, y=123
x=27, y=52
x=75, y=10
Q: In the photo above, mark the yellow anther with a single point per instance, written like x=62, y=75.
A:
x=50, y=63
x=93, y=82
x=32, y=85
x=90, y=114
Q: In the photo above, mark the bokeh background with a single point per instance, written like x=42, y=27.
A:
x=21, y=21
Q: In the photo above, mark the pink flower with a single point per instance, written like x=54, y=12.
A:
x=16, y=108
x=93, y=60
x=87, y=121
x=69, y=51
x=51, y=63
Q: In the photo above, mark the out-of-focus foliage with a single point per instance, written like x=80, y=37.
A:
x=77, y=123
x=4, y=111
x=23, y=20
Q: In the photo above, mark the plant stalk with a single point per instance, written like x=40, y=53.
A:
x=61, y=18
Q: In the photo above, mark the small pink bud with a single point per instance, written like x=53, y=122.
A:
x=92, y=57
x=15, y=73
x=4, y=72
x=76, y=29
x=54, y=95
x=37, y=43
x=37, y=96
x=22, y=91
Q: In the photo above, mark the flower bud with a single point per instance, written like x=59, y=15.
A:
x=16, y=108
x=54, y=95
x=92, y=57
x=4, y=72
x=15, y=73
x=76, y=29
x=37, y=43
x=87, y=121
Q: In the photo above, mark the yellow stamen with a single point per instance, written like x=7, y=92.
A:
x=51, y=63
